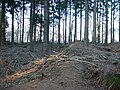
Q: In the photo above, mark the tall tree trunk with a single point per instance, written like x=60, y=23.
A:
x=65, y=21
x=81, y=20
x=12, y=22
x=41, y=24
x=20, y=25
x=103, y=10
x=59, y=22
x=99, y=31
x=35, y=33
x=34, y=20
x=23, y=22
x=119, y=20
x=31, y=26
x=102, y=27
x=0, y=27
x=106, y=35
x=75, y=34
x=53, y=30
x=99, y=24
x=63, y=31
x=111, y=24
x=86, y=41
x=113, y=28
x=53, y=23
x=3, y=39
x=46, y=25
x=18, y=30
x=70, y=29
x=94, y=23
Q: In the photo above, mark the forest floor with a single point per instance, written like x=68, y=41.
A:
x=67, y=67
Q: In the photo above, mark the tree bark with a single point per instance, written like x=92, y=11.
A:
x=81, y=20
x=23, y=23
x=12, y=22
x=75, y=34
x=59, y=23
x=111, y=24
x=34, y=20
x=0, y=27
x=119, y=20
x=41, y=24
x=106, y=35
x=46, y=25
x=63, y=31
x=31, y=27
x=86, y=41
x=66, y=21
x=3, y=39
x=94, y=23
x=53, y=24
x=99, y=23
x=70, y=28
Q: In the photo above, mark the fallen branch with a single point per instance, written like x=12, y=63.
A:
x=73, y=59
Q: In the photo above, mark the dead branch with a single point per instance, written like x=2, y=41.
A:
x=73, y=59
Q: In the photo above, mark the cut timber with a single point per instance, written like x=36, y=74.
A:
x=39, y=61
x=52, y=58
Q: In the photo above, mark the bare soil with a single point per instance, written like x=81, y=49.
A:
x=72, y=67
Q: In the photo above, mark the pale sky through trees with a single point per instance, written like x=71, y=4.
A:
x=27, y=16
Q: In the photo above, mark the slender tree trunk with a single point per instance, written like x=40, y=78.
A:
x=66, y=22
x=106, y=35
x=3, y=39
x=103, y=22
x=99, y=20
x=17, y=30
x=53, y=24
x=81, y=20
x=99, y=31
x=102, y=27
x=113, y=28
x=111, y=24
x=0, y=27
x=46, y=25
x=23, y=23
x=119, y=20
x=31, y=26
x=20, y=25
x=53, y=30
x=98, y=24
x=63, y=31
x=86, y=41
x=94, y=23
x=13, y=22
x=75, y=34
x=41, y=24
x=34, y=20
x=59, y=21
x=70, y=29
x=35, y=33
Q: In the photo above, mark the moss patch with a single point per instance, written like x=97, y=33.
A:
x=113, y=80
